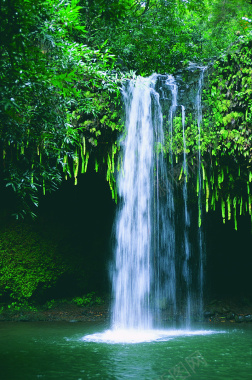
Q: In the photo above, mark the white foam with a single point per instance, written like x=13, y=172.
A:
x=141, y=336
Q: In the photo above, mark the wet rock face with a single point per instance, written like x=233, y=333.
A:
x=187, y=81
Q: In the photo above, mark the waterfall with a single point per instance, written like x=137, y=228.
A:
x=157, y=273
x=133, y=272
x=145, y=274
x=144, y=278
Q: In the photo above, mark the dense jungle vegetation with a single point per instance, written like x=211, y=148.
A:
x=62, y=64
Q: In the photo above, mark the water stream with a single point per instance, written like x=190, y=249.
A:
x=144, y=278
x=147, y=270
x=132, y=273
x=145, y=274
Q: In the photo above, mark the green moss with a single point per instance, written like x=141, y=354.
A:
x=27, y=262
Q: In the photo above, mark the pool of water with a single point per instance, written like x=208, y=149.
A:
x=65, y=351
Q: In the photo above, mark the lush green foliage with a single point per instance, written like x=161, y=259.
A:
x=226, y=134
x=145, y=36
x=163, y=35
x=28, y=263
x=88, y=300
x=39, y=263
x=230, y=102
x=59, y=98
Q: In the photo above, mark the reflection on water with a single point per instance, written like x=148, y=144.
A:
x=58, y=351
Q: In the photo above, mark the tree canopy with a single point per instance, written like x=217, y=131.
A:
x=163, y=35
x=58, y=97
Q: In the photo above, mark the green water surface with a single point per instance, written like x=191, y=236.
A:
x=55, y=351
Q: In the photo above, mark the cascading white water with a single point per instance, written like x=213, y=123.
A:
x=144, y=275
x=148, y=255
x=132, y=272
x=144, y=278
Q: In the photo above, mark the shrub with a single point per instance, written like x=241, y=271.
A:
x=27, y=263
